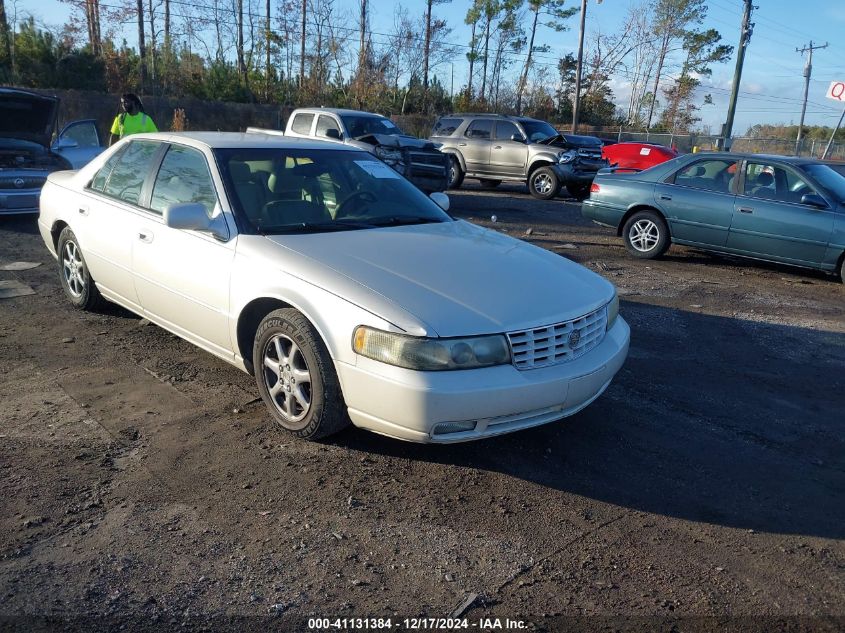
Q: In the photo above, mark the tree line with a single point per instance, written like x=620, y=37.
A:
x=307, y=52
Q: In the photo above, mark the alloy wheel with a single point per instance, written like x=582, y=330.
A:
x=73, y=268
x=644, y=235
x=543, y=184
x=287, y=378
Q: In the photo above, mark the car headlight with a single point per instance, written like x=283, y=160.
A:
x=566, y=157
x=430, y=354
x=612, y=310
x=389, y=155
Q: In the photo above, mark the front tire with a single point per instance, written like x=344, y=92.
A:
x=543, y=183
x=74, y=275
x=646, y=235
x=456, y=174
x=296, y=376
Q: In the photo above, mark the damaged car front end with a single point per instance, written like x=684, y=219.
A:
x=27, y=154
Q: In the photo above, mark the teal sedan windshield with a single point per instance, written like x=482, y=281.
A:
x=831, y=180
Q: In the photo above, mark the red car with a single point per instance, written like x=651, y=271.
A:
x=637, y=155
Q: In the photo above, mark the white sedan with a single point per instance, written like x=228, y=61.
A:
x=345, y=291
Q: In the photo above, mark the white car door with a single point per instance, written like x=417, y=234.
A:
x=106, y=219
x=182, y=276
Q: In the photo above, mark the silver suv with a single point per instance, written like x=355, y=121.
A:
x=493, y=148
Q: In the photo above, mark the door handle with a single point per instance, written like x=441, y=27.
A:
x=746, y=210
x=665, y=197
x=145, y=237
x=83, y=211
x=497, y=147
x=462, y=144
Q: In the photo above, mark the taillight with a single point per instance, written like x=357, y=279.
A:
x=594, y=188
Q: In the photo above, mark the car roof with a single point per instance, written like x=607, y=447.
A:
x=792, y=160
x=339, y=111
x=221, y=140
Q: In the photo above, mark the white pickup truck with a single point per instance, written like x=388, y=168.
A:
x=420, y=161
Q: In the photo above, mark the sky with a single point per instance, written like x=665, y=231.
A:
x=772, y=84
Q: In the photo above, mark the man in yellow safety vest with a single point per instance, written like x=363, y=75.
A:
x=132, y=120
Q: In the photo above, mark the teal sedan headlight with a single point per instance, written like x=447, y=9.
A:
x=612, y=310
x=430, y=354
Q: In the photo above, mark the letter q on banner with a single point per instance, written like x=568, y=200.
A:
x=836, y=91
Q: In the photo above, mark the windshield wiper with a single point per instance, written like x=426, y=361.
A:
x=315, y=227
x=402, y=220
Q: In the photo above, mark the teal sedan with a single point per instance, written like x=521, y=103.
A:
x=775, y=208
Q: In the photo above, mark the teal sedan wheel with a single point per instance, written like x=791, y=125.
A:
x=646, y=235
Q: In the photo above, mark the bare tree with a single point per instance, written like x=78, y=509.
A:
x=427, y=49
x=554, y=15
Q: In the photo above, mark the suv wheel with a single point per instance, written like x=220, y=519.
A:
x=646, y=235
x=543, y=183
x=456, y=174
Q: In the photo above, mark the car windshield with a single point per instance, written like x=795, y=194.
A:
x=285, y=190
x=828, y=178
x=363, y=125
x=538, y=130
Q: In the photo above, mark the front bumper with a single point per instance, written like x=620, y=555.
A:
x=429, y=171
x=409, y=404
x=19, y=201
x=579, y=172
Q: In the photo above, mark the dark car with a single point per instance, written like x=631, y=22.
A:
x=27, y=151
x=633, y=155
x=775, y=208
x=495, y=148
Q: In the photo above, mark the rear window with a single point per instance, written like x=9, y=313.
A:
x=302, y=123
x=446, y=126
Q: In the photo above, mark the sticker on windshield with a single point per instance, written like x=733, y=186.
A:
x=377, y=169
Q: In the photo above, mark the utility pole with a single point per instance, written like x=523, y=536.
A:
x=576, y=106
x=808, y=69
x=744, y=37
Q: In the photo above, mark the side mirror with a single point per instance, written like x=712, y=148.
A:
x=333, y=133
x=814, y=200
x=440, y=199
x=519, y=138
x=64, y=142
x=193, y=217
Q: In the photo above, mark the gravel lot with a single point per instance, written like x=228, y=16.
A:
x=143, y=485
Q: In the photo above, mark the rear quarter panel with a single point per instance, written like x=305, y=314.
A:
x=618, y=193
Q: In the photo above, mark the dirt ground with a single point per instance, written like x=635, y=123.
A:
x=143, y=486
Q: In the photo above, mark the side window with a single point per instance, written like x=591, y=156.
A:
x=480, y=128
x=773, y=182
x=131, y=170
x=713, y=175
x=506, y=129
x=325, y=123
x=302, y=123
x=99, y=181
x=84, y=133
x=446, y=126
x=183, y=177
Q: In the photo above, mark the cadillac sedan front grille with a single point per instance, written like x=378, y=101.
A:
x=558, y=343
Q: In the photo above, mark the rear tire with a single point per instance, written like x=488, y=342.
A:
x=456, y=174
x=296, y=376
x=579, y=192
x=646, y=235
x=74, y=275
x=543, y=183
x=842, y=269
x=490, y=184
